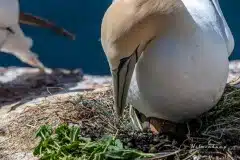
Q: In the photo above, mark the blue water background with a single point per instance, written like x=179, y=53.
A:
x=83, y=17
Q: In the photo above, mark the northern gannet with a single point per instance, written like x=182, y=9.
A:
x=12, y=38
x=168, y=58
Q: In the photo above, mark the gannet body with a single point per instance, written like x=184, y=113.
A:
x=180, y=48
x=12, y=38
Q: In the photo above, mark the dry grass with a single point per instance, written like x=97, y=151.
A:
x=219, y=129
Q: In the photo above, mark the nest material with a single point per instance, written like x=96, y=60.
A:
x=215, y=134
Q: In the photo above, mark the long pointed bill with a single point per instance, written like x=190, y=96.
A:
x=26, y=18
x=121, y=81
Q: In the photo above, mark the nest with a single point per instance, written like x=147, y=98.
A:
x=215, y=134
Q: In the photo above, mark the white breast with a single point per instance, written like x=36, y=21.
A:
x=182, y=74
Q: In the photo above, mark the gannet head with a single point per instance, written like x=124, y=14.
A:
x=127, y=28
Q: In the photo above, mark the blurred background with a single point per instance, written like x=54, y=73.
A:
x=84, y=19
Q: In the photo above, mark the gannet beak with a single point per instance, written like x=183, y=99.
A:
x=121, y=81
x=26, y=18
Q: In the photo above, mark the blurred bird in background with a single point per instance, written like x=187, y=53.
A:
x=12, y=38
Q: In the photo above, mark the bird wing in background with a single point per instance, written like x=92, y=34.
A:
x=29, y=19
x=12, y=38
x=20, y=45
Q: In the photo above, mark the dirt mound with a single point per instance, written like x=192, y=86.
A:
x=216, y=135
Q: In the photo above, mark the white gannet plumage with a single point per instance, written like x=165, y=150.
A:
x=180, y=48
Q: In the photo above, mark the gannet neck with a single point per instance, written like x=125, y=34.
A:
x=128, y=23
